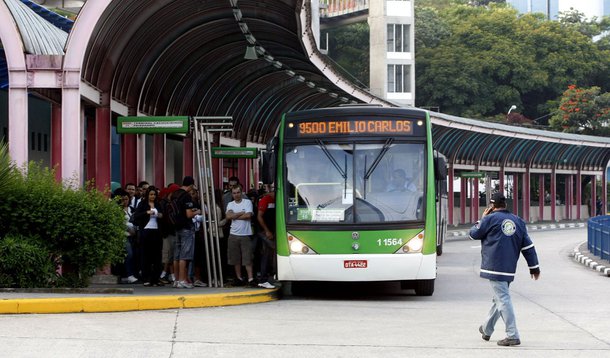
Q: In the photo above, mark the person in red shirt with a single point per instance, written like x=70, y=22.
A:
x=266, y=222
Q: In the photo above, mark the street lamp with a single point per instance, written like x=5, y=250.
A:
x=511, y=108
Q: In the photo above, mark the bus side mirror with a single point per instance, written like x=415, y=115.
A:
x=440, y=168
x=269, y=157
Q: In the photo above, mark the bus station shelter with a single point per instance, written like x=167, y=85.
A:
x=250, y=61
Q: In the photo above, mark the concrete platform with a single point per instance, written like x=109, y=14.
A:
x=127, y=298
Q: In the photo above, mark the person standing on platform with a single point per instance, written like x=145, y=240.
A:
x=503, y=238
x=239, y=252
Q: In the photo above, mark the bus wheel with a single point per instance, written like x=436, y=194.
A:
x=424, y=287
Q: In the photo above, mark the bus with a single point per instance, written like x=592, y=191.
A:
x=359, y=196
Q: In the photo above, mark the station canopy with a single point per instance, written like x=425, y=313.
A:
x=254, y=60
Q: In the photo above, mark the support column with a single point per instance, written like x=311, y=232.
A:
x=501, y=180
x=593, y=195
x=18, y=122
x=475, y=200
x=578, y=195
x=129, y=159
x=463, y=194
x=516, y=193
x=568, y=202
x=242, y=173
x=526, y=195
x=159, y=160
x=187, y=156
x=56, y=140
x=72, y=130
x=103, y=156
x=141, y=158
x=541, y=198
x=553, y=191
x=604, y=193
x=450, y=195
x=90, y=152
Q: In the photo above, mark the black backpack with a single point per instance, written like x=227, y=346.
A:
x=173, y=217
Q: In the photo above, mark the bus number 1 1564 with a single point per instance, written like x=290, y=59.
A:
x=389, y=242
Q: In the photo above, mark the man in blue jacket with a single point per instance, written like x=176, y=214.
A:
x=503, y=238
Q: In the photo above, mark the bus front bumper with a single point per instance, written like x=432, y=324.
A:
x=392, y=267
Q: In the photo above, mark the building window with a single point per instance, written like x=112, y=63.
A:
x=399, y=38
x=33, y=141
x=399, y=78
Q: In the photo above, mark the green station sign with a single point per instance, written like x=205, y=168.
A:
x=230, y=152
x=478, y=175
x=152, y=125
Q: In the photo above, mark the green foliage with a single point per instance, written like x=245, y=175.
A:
x=6, y=167
x=495, y=58
x=82, y=227
x=583, y=110
x=349, y=47
x=24, y=262
x=430, y=27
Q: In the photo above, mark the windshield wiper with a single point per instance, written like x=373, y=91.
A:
x=342, y=171
x=369, y=171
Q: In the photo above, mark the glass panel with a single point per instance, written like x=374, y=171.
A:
x=320, y=182
x=407, y=78
x=399, y=78
x=393, y=189
x=390, y=38
x=406, y=38
x=391, y=79
x=375, y=183
x=398, y=47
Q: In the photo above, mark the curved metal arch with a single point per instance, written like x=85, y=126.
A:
x=148, y=46
x=492, y=157
x=105, y=49
x=163, y=82
x=468, y=152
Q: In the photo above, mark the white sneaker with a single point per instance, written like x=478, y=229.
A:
x=184, y=284
x=162, y=274
x=132, y=279
x=172, y=277
x=199, y=283
x=266, y=285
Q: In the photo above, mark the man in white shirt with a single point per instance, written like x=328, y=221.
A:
x=239, y=252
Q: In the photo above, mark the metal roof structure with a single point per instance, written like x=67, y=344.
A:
x=40, y=37
x=186, y=57
x=255, y=60
x=470, y=143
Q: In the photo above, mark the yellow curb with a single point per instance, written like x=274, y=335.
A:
x=135, y=303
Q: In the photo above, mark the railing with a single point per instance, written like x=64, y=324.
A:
x=329, y=8
x=598, y=236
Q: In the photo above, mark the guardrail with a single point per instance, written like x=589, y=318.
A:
x=598, y=236
x=330, y=8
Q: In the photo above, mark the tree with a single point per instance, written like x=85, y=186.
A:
x=584, y=111
x=348, y=46
x=495, y=58
x=430, y=27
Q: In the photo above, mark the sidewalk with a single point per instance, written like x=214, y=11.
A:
x=117, y=298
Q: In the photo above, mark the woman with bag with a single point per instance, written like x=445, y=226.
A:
x=147, y=216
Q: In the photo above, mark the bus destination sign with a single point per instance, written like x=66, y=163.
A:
x=352, y=127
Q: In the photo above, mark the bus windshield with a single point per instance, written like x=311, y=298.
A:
x=354, y=182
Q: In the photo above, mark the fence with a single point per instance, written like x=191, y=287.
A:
x=598, y=236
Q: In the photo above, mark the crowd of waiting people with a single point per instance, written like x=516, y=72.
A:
x=164, y=238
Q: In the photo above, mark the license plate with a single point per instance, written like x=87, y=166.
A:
x=355, y=264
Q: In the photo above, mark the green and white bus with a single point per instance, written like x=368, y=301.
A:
x=359, y=196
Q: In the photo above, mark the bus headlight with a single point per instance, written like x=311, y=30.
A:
x=298, y=247
x=414, y=245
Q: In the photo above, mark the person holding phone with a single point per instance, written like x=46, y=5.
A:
x=503, y=238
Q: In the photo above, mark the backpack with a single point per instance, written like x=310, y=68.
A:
x=173, y=218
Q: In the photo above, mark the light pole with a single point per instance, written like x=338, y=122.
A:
x=511, y=108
